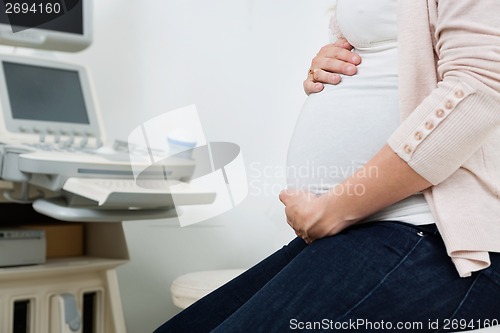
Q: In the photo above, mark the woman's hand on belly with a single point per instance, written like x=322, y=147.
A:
x=329, y=62
x=311, y=216
x=384, y=180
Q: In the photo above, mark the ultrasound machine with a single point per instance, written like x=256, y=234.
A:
x=53, y=147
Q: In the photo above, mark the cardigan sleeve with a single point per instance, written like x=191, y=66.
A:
x=453, y=121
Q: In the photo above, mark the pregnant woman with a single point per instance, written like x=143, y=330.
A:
x=393, y=184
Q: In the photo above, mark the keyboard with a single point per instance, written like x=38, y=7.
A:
x=143, y=194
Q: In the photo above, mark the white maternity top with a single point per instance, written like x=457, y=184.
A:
x=340, y=128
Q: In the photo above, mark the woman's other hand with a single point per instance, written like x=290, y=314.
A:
x=311, y=217
x=384, y=180
x=329, y=62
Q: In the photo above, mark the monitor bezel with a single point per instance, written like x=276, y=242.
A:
x=37, y=38
x=25, y=127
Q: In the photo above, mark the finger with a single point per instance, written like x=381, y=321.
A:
x=285, y=196
x=320, y=75
x=335, y=59
x=340, y=53
x=343, y=43
x=301, y=234
x=317, y=78
x=334, y=65
x=311, y=86
x=340, y=41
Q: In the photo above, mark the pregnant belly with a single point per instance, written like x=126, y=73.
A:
x=339, y=130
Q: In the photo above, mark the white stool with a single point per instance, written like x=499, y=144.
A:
x=188, y=288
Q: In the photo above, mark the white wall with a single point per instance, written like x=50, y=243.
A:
x=242, y=63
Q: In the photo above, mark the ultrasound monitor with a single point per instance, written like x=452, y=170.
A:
x=58, y=25
x=46, y=96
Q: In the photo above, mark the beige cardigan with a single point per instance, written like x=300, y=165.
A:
x=449, y=53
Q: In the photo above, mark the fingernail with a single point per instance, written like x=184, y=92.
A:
x=350, y=69
x=355, y=58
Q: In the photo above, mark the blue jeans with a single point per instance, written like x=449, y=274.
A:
x=375, y=277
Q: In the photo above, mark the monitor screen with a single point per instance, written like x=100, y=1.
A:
x=58, y=25
x=45, y=94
